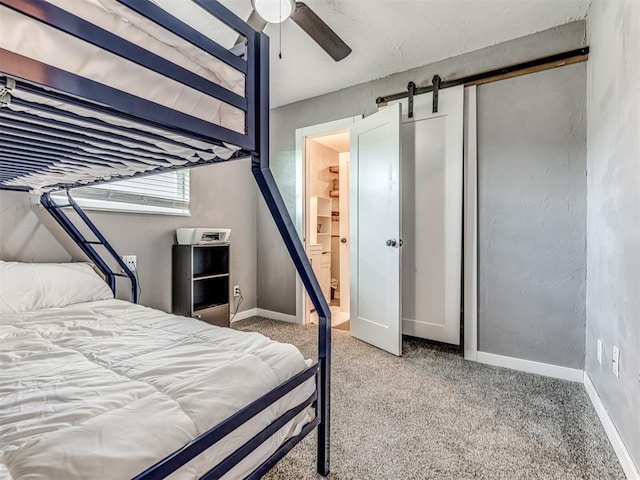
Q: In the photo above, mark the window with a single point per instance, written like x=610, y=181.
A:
x=164, y=193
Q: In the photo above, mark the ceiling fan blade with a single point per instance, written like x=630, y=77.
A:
x=256, y=21
x=313, y=25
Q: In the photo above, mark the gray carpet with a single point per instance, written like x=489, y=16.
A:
x=432, y=415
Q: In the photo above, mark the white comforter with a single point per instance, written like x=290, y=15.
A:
x=102, y=390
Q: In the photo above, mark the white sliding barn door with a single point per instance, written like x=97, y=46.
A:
x=432, y=169
x=375, y=230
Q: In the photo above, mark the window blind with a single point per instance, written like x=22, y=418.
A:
x=168, y=190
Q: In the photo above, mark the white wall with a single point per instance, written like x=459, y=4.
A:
x=613, y=206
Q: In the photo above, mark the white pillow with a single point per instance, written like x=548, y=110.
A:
x=25, y=287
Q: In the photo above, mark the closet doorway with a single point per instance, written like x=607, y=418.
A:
x=418, y=289
x=323, y=216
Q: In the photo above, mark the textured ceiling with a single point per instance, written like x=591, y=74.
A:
x=389, y=36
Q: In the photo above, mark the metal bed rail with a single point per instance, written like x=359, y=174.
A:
x=35, y=77
x=320, y=370
x=67, y=87
x=179, y=458
x=278, y=209
x=87, y=246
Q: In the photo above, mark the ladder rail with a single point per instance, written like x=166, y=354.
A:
x=55, y=210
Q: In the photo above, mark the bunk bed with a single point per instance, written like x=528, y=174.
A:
x=99, y=90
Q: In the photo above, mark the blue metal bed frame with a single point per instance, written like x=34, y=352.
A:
x=17, y=159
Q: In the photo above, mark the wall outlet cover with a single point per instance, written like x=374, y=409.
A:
x=616, y=361
x=131, y=261
x=599, y=351
x=236, y=290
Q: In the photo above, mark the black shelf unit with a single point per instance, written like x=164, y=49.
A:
x=200, y=282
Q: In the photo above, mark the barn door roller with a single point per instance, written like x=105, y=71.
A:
x=411, y=91
x=436, y=86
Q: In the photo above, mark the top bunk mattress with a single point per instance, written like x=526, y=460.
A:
x=33, y=39
x=105, y=389
x=30, y=38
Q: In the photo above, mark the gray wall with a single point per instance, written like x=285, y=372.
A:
x=222, y=195
x=532, y=216
x=276, y=286
x=613, y=231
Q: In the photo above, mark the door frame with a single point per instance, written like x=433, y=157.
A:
x=302, y=181
x=470, y=212
x=470, y=224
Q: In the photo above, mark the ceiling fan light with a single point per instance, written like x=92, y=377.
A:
x=274, y=11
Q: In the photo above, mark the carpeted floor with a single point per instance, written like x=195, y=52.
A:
x=432, y=415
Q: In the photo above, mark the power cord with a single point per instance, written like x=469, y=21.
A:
x=135, y=274
x=239, y=302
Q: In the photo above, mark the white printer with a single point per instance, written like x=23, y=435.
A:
x=202, y=236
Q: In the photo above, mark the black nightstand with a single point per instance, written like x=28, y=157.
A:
x=200, y=285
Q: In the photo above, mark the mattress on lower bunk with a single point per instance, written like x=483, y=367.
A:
x=105, y=389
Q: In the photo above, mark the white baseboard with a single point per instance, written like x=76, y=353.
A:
x=628, y=466
x=545, y=369
x=251, y=312
x=261, y=312
x=283, y=317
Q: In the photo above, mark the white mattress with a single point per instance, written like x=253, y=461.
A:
x=105, y=389
x=33, y=39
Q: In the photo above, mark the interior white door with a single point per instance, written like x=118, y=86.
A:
x=375, y=227
x=344, y=233
x=432, y=165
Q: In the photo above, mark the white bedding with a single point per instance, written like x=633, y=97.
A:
x=104, y=389
x=33, y=39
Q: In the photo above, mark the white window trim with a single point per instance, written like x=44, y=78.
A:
x=121, y=207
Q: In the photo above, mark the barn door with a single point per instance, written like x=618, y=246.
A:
x=432, y=166
x=375, y=230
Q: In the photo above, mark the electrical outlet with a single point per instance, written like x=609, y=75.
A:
x=615, y=355
x=131, y=261
x=236, y=290
x=599, y=351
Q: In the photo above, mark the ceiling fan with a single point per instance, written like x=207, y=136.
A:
x=277, y=11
